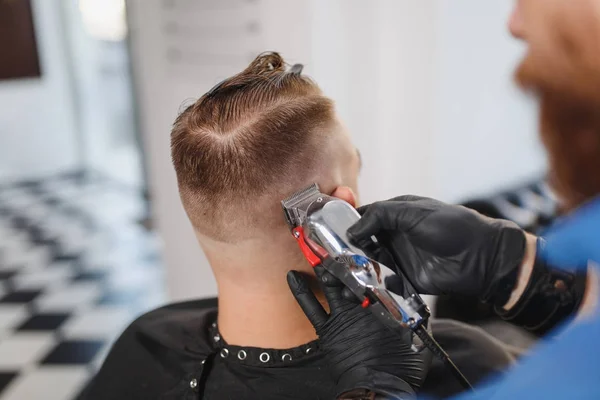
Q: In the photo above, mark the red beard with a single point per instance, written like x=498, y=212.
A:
x=569, y=122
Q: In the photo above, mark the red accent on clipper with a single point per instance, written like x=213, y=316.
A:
x=366, y=303
x=311, y=257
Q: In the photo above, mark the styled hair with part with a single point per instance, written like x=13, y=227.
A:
x=246, y=144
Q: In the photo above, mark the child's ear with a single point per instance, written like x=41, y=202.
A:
x=346, y=194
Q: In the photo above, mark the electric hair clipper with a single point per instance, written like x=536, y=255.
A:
x=320, y=223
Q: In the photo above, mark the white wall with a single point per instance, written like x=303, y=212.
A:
x=105, y=105
x=426, y=88
x=375, y=60
x=37, y=121
x=485, y=129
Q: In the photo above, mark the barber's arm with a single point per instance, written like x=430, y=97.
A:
x=366, y=359
x=447, y=249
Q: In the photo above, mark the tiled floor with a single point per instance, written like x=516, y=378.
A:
x=75, y=269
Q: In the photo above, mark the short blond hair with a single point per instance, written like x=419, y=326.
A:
x=247, y=143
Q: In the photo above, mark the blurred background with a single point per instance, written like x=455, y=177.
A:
x=92, y=232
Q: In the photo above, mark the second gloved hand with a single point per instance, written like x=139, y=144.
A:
x=445, y=249
x=362, y=353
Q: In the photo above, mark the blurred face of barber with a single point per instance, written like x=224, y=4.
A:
x=562, y=37
x=562, y=68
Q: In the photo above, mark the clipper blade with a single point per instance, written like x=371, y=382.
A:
x=295, y=206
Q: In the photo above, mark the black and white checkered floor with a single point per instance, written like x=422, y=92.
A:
x=75, y=269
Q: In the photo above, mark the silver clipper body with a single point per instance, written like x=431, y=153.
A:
x=320, y=222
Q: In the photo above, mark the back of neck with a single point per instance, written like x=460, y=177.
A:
x=271, y=319
x=256, y=307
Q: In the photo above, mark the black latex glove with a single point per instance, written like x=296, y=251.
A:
x=362, y=353
x=445, y=249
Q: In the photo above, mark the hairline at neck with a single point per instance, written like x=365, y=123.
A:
x=256, y=307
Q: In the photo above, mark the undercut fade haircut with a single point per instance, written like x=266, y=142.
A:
x=246, y=144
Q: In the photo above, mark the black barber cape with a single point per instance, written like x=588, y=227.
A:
x=172, y=353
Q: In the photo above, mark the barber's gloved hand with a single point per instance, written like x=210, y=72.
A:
x=445, y=249
x=363, y=355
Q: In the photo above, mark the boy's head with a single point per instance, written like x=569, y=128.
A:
x=253, y=140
